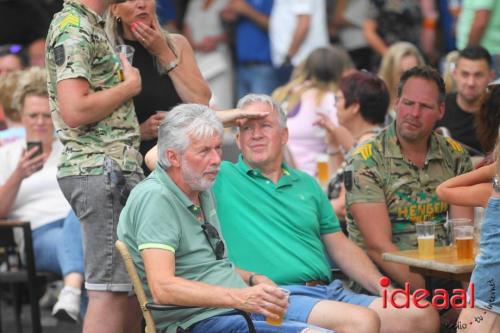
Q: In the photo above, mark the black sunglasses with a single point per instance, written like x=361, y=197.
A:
x=214, y=240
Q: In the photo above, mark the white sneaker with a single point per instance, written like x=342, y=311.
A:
x=67, y=307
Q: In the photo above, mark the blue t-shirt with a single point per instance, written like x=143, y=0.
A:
x=166, y=11
x=252, y=42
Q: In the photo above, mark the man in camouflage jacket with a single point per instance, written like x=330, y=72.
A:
x=391, y=180
x=91, y=102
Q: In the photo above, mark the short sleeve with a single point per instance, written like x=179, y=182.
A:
x=362, y=178
x=329, y=223
x=301, y=7
x=464, y=164
x=72, y=54
x=157, y=226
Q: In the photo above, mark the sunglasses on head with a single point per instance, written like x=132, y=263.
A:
x=214, y=240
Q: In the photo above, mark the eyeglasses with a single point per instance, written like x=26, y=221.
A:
x=10, y=49
x=214, y=240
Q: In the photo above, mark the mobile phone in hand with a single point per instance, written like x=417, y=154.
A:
x=31, y=144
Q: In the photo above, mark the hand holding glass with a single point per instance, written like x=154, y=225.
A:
x=279, y=321
x=127, y=51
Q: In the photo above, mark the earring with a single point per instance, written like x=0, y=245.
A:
x=118, y=19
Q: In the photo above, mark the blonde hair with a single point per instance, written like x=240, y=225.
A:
x=322, y=70
x=450, y=63
x=114, y=31
x=391, y=62
x=33, y=82
x=8, y=86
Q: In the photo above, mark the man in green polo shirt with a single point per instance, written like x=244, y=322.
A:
x=171, y=228
x=277, y=222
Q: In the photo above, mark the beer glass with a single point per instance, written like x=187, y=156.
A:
x=425, y=238
x=126, y=50
x=279, y=321
x=464, y=241
x=322, y=172
x=458, y=222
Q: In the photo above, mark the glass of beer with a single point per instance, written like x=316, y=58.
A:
x=425, y=238
x=322, y=172
x=279, y=321
x=464, y=241
x=458, y=222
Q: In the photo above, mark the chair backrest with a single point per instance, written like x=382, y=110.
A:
x=136, y=282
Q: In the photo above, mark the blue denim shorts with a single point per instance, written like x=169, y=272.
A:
x=304, y=298
x=486, y=274
x=98, y=201
x=231, y=322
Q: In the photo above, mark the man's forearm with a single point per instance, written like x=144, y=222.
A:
x=299, y=34
x=397, y=272
x=479, y=24
x=79, y=110
x=180, y=291
x=355, y=263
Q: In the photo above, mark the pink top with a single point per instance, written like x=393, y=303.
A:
x=307, y=141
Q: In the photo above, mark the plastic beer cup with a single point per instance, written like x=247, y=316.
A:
x=279, y=321
x=425, y=238
x=464, y=241
x=322, y=172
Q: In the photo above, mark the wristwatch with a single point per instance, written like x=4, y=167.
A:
x=171, y=66
x=496, y=184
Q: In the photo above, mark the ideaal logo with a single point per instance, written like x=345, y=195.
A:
x=440, y=298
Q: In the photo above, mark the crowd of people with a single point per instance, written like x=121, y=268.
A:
x=97, y=147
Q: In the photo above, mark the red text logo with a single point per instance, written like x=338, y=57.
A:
x=401, y=298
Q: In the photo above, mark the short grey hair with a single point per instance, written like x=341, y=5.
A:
x=181, y=123
x=265, y=99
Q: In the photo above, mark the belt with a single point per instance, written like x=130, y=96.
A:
x=314, y=283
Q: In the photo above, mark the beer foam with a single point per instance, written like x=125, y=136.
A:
x=426, y=237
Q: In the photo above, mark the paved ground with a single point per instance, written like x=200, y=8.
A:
x=49, y=323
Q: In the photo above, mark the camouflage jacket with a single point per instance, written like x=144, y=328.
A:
x=77, y=47
x=378, y=172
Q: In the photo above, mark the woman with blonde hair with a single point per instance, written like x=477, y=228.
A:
x=311, y=90
x=29, y=191
x=169, y=72
x=400, y=57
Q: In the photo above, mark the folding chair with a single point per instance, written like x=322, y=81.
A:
x=146, y=306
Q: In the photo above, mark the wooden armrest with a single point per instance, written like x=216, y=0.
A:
x=12, y=223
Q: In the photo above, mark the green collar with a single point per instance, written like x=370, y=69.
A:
x=289, y=174
x=165, y=179
x=392, y=149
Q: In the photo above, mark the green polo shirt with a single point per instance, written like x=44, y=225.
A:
x=379, y=173
x=158, y=215
x=275, y=229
